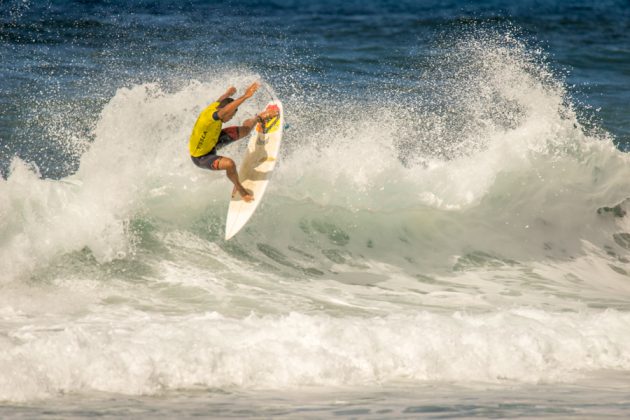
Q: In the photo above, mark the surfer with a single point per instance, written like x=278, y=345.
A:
x=208, y=135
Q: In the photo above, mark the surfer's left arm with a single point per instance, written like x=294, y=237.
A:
x=231, y=91
x=232, y=106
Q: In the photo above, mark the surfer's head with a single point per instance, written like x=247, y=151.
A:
x=224, y=102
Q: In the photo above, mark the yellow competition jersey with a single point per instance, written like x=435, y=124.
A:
x=205, y=133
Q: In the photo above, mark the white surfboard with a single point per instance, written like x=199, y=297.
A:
x=256, y=170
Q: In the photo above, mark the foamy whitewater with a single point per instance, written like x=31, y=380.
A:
x=447, y=234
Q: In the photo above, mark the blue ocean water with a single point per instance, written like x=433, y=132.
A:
x=446, y=234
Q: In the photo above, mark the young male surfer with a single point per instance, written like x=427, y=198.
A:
x=208, y=135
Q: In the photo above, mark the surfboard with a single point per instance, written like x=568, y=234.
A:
x=256, y=170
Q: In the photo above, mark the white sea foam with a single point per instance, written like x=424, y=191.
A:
x=140, y=353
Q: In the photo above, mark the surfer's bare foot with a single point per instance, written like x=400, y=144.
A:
x=247, y=196
x=269, y=113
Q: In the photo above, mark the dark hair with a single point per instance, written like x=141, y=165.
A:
x=224, y=102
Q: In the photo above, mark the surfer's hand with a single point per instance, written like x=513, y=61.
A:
x=231, y=91
x=251, y=90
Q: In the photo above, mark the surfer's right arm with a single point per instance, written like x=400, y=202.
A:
x=229, y=108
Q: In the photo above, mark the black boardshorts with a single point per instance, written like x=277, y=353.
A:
x=211, y=160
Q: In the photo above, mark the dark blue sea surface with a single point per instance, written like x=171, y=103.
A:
x=59, y=55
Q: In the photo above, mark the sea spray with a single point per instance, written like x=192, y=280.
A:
x=444, y=234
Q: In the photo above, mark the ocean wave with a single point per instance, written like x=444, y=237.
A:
x=136, y=353
x=501, y=170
